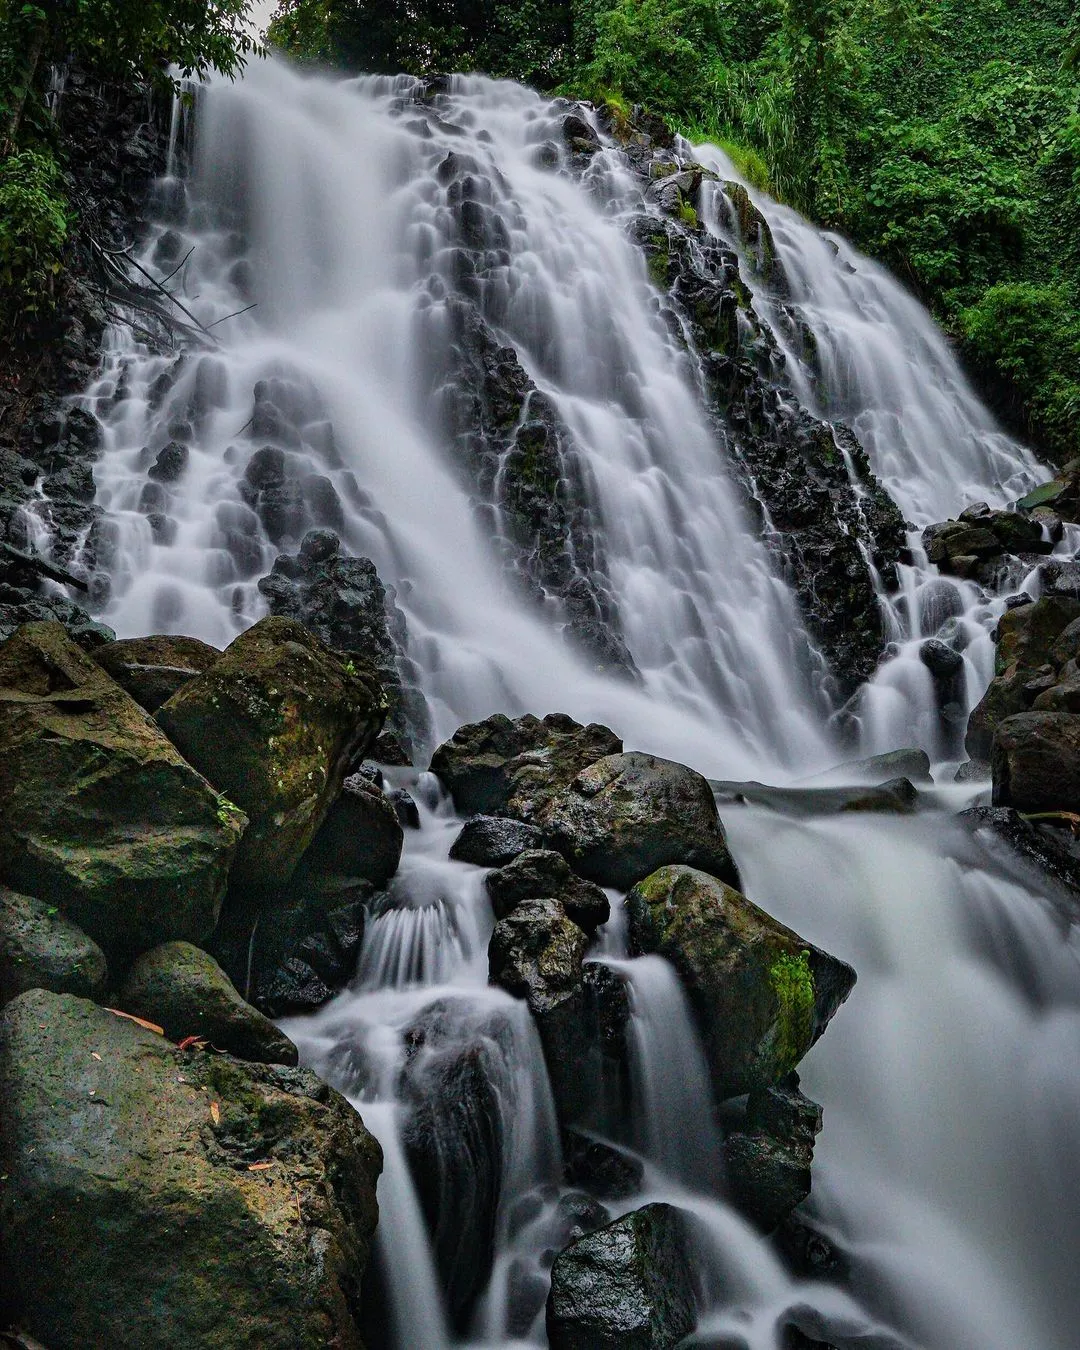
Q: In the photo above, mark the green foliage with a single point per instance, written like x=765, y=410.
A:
x=34, y=221
x=1027, y=337
x=793, y=985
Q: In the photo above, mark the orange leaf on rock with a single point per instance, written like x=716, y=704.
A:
x=140, y=1021
x=215, y=1113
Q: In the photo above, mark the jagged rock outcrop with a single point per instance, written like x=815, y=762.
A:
x=767, y=1161
x=151, y=1196
x=343, y=602
x=538, y=873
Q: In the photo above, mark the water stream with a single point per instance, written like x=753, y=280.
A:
x=949, y=1166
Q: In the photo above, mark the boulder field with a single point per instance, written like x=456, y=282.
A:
x=191, y=843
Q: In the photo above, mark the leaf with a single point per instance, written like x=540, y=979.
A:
x=259, y=1167
x=192, y=1043
x=140, y=1021
x=94, y=1055
x=215, y=1113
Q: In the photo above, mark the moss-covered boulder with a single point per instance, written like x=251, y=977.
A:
x=624, y=816
x=628, y=1286
x=40, y=949
x=151, y=1197
x=275, y=723
x=99, y=814
x=761, y=994
x=185, y=991
x=153, y=669
x=511, y=768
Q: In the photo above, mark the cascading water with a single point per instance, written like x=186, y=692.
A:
x=948, y=1165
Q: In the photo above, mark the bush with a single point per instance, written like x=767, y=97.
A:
x=34, y=220
x=1026, y=340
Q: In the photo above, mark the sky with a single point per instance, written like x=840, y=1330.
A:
x=261, y=10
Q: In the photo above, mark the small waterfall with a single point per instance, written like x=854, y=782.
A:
x=327, y=252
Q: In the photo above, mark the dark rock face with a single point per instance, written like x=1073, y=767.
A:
x=540, y=873
x=98, y=812
x=624, y=1287
x=626, y=815
x=517, y=455
x=600, y=1168
x=185, y=991
x=492, y=841
x=504, y=767
x=343, y=602
x=290, y=950
x=40, y=949
x=1050, y=845
x=1035, y=642
x=112, y=150
x=973, y=546
x=1035, y=760
x=760, y=994
x=152, y=669
x=767, y=1164
x=798, y=469
x=276, y=723
x=109, y=1146
x=360, y=837
x=454, y=1140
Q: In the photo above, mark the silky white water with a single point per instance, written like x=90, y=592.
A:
x=948, y=1167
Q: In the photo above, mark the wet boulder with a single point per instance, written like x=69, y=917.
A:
x=276, y=723
x=628, y=1286
x=213, y=1202
x=360, y=837
x=40, y=949
x=153, y=669
x=767, y=1163
x=185, y=991
x=98, y=812
x=504, y=767
x=761, y=995
x=492, y=841
x=539, y=873
x=601, y=1168
x=1035, y=760
x=626, y=815
x=453, y=1136
x=536, y=953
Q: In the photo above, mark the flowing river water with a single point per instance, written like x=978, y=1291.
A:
x=949, y=1167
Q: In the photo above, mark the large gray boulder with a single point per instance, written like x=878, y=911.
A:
x=151, y=1197
x=1035, y=760
x=511, y=768
x=761, y=995
x=99, y=814
x=624, y=1287
x=275, y=723
x=185, y=991
x=624, y=816
x=40, y=949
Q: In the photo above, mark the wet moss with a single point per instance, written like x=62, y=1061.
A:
x=793, y=985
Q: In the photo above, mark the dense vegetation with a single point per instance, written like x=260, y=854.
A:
x=114, y=39
x=942, y=135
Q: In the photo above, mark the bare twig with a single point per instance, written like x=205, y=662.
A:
x=231, y=316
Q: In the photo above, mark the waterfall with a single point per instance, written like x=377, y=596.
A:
x=326, y=262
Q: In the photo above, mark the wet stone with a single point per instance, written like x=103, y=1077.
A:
x=492, y=841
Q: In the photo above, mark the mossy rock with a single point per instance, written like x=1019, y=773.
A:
x=185, y=991
x=151, y=1197
x=40, y=949
x=761, y=995
x=99, y=814
x=275, y=723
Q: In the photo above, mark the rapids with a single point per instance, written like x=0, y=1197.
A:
x=948, y=1171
